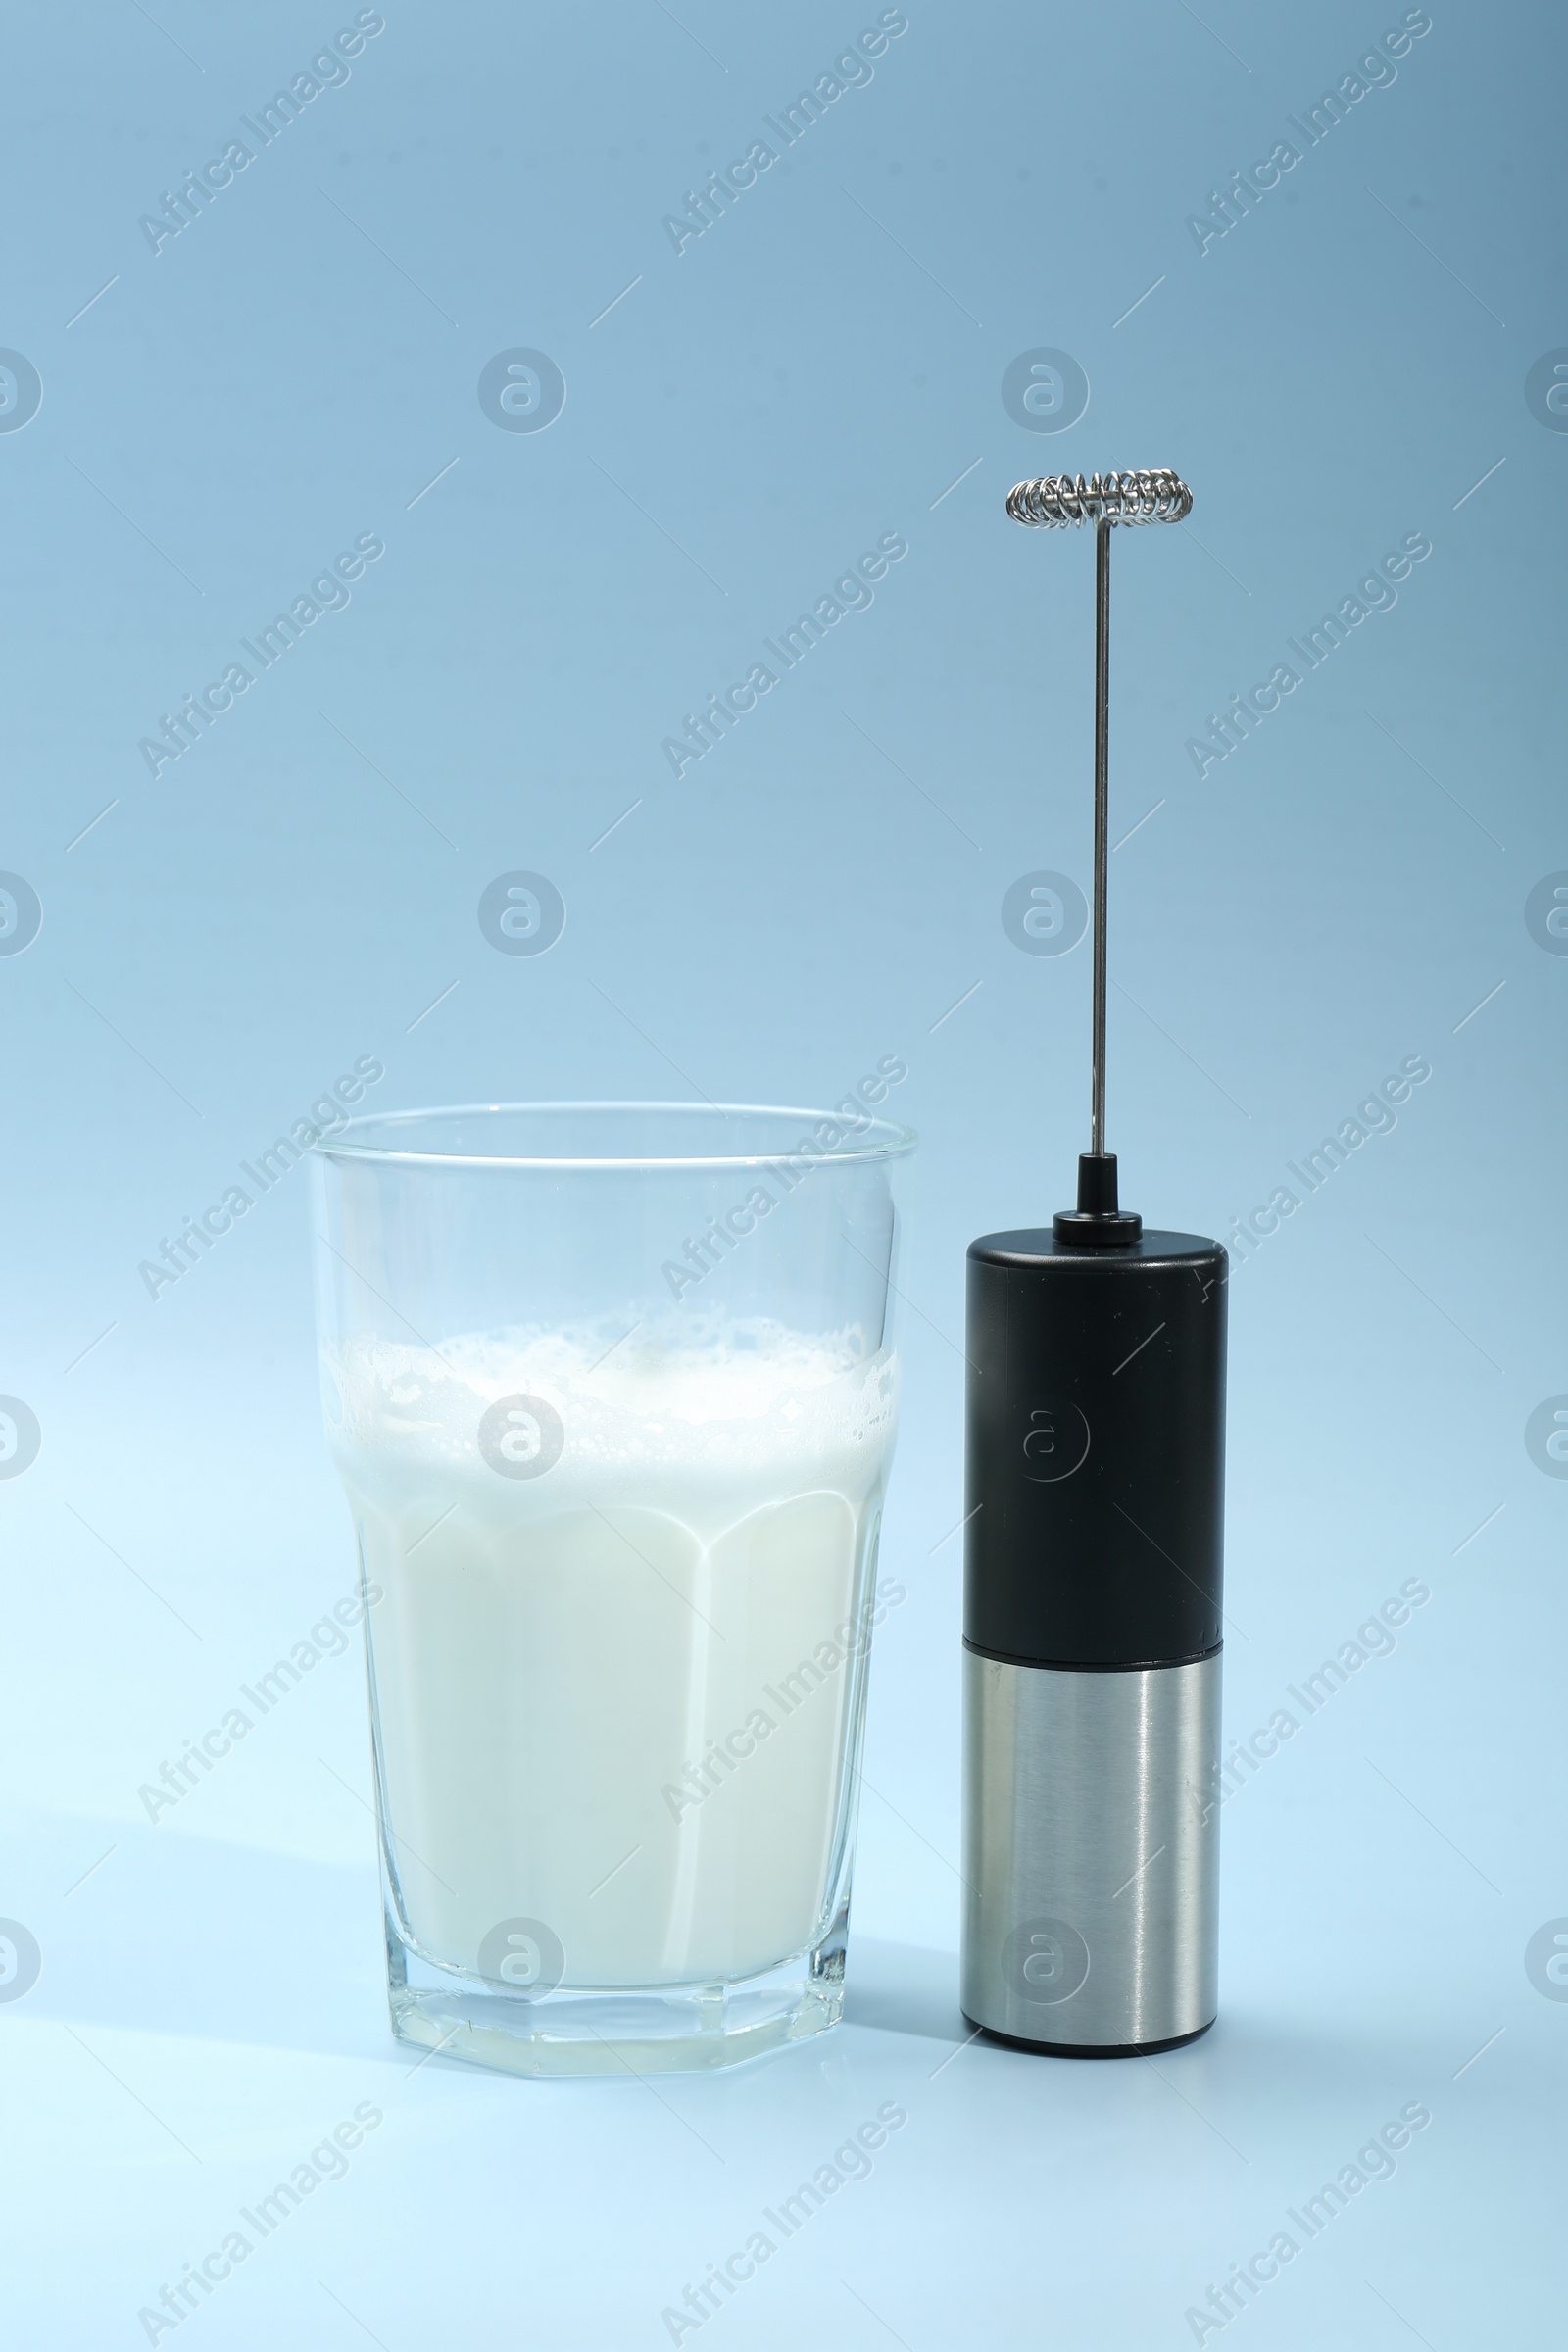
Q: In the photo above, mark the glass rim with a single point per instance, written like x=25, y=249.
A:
x=879, y=1140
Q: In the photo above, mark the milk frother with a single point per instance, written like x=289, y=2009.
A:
x=1095, y=1468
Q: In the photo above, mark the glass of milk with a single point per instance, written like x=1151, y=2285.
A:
x=612, y=1389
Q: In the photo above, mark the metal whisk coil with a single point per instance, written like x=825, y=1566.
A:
x=1062, y=498
x=1104, y=499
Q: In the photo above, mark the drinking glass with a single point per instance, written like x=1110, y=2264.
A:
x=612, y=1390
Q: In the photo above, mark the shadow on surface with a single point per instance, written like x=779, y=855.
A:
x=170, y=1934
x=903, y=1988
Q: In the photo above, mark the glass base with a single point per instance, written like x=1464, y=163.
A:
x=668, y=2028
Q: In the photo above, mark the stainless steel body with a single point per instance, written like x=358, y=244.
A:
x=1091, y=1838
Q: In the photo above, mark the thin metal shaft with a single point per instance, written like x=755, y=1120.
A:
x=1096, y=1105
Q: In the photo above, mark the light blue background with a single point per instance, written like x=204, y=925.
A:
x=816, y=371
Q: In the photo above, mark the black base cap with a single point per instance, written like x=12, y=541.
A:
x=1097, y=1219
x=1090, y=2049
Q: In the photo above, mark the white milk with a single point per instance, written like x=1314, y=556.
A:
x=552, y=1653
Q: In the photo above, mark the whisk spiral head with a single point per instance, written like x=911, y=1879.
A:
x=1066, y=498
